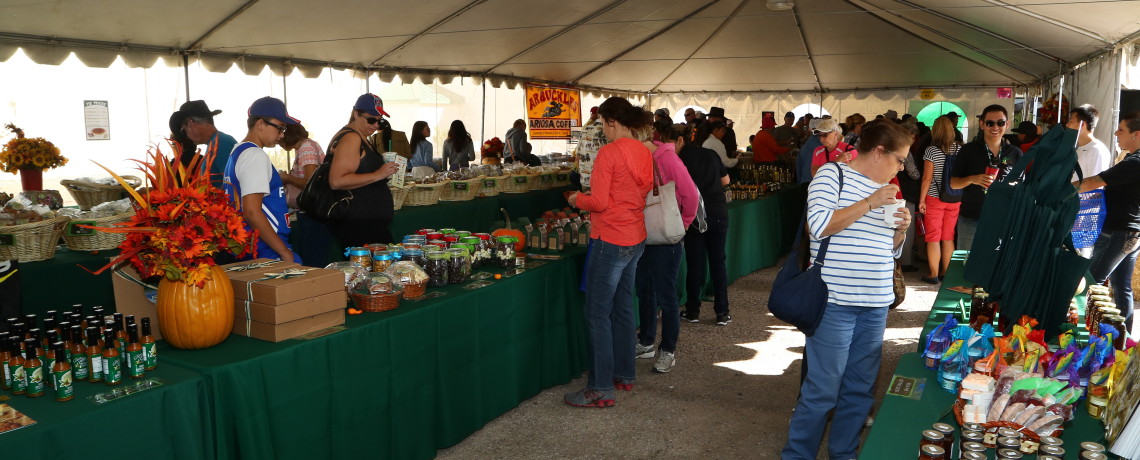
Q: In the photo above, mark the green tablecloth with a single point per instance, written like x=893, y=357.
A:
x=60, y=282
x=397, y=384
x=899, y=421
x=761, y=231
x=171, y=421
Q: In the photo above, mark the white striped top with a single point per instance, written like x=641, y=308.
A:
x=860, y=258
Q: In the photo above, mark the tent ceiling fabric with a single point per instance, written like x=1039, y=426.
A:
x=627, y=45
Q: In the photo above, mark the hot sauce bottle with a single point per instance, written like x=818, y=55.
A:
x=33, y=369
x=79, y=367
x=61, y=375
x=149, y=348
x=65, y=337
x=135, y=359
x=94, y=355
x=114, y=342
x=16, y=367
x=112, y=364
x=5, y=374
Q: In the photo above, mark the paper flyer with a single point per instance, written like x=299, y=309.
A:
x=11, y=419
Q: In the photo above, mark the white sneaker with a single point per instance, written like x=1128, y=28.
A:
x=644, y=351
x=665, y=362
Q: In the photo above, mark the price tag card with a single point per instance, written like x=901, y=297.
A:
x=563, y=176
x=489, y=183
x=74, y=229
x=520, y=179
x=482, y=276
x=907, y=387
x=7, y=239
x=477, y=285
x=547, y=177
x=430, y=295
x=513, y=272
x=459, y=186
x=535, y=264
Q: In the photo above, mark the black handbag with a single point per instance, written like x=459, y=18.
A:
x=799, y=296
x=318, y=199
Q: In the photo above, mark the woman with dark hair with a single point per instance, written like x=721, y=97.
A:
x=657, y=270
x=707, y=248
x=458, y=149
x=422, y=154
x=316, y=242
x=848, y=202
x=358, y=167
x=621, y=178
x=940, y=218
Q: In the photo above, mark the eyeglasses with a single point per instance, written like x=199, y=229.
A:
x=280, y=128
x=991, y=123
x=372, y=120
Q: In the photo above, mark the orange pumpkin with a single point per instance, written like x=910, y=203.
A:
x=520, y=239
x=193, y=318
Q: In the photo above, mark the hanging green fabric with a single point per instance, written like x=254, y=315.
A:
x=1023, y=251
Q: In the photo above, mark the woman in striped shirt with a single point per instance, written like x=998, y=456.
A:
x=939, y=217
x=847, y=202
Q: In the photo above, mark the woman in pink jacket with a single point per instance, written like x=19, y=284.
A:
x=657, y=270
x=622, y=176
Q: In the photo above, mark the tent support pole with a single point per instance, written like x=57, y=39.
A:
x=483, y=113
x=1060, y=95
x=186, y=73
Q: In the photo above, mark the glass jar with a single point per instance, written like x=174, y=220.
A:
x=359, y=256
x=434, y=235
x=931, y=438
x=381, y=260
x=1051, y=441
x=505, y=251
x=1008, y=443
x=1009, y=454
x=460, y=266
x=972, y=437
x=971, y=446
x=947, y=433
x=437, y=268
x=931, y=453
x=1117, y=321
x=974, y=456
x=1009, y=433
x=472, y=245
x=1089, y=446
x=484, y=249
x=1056, y=451
x=414, y=255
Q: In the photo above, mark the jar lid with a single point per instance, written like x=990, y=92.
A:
x=932, y=435
x=1009, y=433
x=457, y=252
x=1093, y=456
x=1009, y=454
x=437, y=255
x=359, y=251
x=413, y=251
x=1048, y=457
x=1012, y=443
x=470, y=239
x=381, y=256
x=1056, y=451
x=1089, y=446
x=943, y=427
x=972, y=427
x=931, y=449
x=447, y=231
x=1051, y=441
x=973, y=435
x=973, y=456
x=973, y=446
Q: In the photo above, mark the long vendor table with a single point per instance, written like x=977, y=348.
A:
x=397, y=384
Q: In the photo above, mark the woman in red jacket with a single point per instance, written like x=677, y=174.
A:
x=622, y=176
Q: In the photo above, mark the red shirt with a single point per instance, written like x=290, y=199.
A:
x=765, y=148
x=622, y=176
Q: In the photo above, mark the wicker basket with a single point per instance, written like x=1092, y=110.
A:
x=425, y=194
x=376, y=302
x=399, y=194
x=561, y=178
x=90, y=194
x=960, y=404
x=96, y=240
x=412, y=291
x=518, y=183
x=462, y=190
x=544, y=181
x=492, y=185
x=32, y=242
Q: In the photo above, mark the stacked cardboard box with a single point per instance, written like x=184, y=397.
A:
x=275, y=300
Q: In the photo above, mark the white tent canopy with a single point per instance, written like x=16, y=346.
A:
x=650, y=46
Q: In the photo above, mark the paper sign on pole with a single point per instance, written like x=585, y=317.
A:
x=926, y=94
x=1004, y=93
x=551, y=111
x=97, y=120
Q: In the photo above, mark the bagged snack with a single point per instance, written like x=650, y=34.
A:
x=938, y=341
x=1046, y=425
x=1012, y=411
x=998, y=407
x=1065, y=411
x=954, y=366
x=1067, y=336
x=1058, y=366
x=993, y=363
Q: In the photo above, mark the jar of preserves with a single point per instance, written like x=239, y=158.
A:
x=485, y=248
x=359, y=256
x=1051, y=441
x=505, y=251
x=472, y=243
x=971, y=446
x=1117, y=321
x=931, y=453
x=1056, y=451
x=947, y=435
x=1093, y=456
x=1008, y=443
x=1009, y=433
x=414, y=255
x=381, y=260
x=931, y=438
x=437, y=268
x=974, y=437
x=1089, y=446
x=1009, y=454
x=974, y=456
x=973, y=427
x=460, y=265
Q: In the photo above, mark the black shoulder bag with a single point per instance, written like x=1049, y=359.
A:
x=318, y=199
x=799, y=296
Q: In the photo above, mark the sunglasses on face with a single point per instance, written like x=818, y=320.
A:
x=991, y=123
x=372, y=120
x=280, y=128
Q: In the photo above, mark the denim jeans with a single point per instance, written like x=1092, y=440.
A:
x=1111, y=263
x=966, y=229
x=700, y=247
x=657, y=290
x=844, y=353
x=610, y=276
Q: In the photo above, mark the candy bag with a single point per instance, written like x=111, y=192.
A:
x=938, y=341
x=981, y=344
x=1058, y=366
x=953, y=367
x=1068, y=335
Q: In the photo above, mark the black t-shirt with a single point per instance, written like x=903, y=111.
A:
x=729, y=140
x=1122, y=195
x=705, y=167
x=973, y=159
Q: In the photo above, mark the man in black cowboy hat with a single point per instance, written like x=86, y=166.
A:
x=196, y=121
x=729, y=139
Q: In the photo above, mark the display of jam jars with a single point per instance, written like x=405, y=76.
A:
x=434, y=235
x=505, y=251
x=438, y=244
x=462, y=234
x=447, y=231
x=450, y=239
x=425, y=231
x=359, y=256
x=413, y=255
x=472, y=245
x=485, y=248
x=381, y=260
x=460, y=266
x=931, y=452
x=437, y=268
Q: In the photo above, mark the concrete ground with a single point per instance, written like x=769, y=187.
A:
x=730, y=396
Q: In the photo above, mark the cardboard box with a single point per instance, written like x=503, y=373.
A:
x=273, y=282
x=292, y=311
x=288, y=330
x=131, y=298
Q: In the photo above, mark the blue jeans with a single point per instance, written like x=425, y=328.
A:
x=844, y=353
x=699, y=247
x=966, y=229
x=657, y=289
x=610, y=275
x=1111, y=263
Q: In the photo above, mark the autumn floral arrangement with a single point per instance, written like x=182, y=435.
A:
x=181, y=222
x=1047, y=113
x=21, y=152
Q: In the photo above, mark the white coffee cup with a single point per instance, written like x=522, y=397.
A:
x=889, y=211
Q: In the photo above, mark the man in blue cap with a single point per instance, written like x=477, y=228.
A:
x=254, y=184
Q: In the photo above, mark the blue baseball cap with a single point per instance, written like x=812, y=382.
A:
x=271, y=107
x=371, y=104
